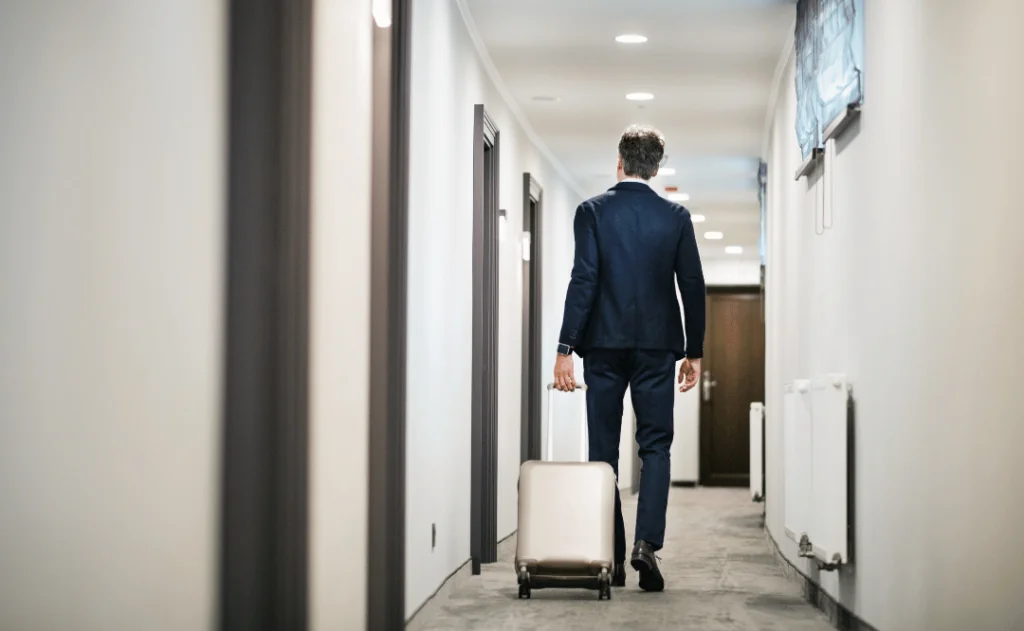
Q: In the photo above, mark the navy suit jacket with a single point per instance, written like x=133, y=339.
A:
x=632, y=248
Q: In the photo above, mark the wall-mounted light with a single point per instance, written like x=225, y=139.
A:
x=381, y=10
x=527, y=246
x=502, y=222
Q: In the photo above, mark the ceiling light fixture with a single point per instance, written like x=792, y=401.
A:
x=698, y=218
x=733, y=249
x=678, y=197
x=631, y=39
x=713, y=236
x=667, y=171
x=546, y=99
x=640, y=96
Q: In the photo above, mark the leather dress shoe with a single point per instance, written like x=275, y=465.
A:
x=646, y=564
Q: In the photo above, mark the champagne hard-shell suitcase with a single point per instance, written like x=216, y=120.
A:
x=566, y=520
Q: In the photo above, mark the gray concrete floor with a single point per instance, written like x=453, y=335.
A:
x=719, y=570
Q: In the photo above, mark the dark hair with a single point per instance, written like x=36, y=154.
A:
x=641, y=150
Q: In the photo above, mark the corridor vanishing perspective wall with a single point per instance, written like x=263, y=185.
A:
x=914, y=295
x=449, y=77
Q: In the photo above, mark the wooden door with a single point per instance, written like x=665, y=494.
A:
x=732, y=379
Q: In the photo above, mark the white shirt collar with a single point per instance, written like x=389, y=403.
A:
x=635, y=180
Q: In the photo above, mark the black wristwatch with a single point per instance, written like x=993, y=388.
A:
x=564, y=349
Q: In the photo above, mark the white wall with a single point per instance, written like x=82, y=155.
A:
x=732, y=272
x=339, y=313
x=915, y=295
x=448, y=79
x=111, y=259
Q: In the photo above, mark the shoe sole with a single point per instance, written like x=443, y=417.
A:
x=650, y=579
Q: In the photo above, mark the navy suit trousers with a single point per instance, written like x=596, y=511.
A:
x=649, y=374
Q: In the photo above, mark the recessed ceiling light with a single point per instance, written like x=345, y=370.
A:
x=678, y=197
x=667, y=171
x=733, y=249
x=640, y=96
x=631, y=39
x=713, y=236
x=546, y=99
x=697, y=218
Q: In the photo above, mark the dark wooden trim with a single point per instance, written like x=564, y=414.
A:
x=484, y=470
x=689, y=484
x=530, y=427
x=263, y=573
x=753, y=290
x=388, y=298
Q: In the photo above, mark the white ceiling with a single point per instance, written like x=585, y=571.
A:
x=709, y=64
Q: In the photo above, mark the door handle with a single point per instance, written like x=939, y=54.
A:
x=707, y=384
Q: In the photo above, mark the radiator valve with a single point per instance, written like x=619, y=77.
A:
x=806, y=549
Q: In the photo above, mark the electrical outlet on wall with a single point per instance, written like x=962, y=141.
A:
x=433, y=536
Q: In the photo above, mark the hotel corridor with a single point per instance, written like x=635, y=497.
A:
x=283, y=284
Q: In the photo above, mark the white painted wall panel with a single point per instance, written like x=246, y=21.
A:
x=112, y=250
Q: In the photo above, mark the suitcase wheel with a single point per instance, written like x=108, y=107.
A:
x=604, y=590
x=524, y=584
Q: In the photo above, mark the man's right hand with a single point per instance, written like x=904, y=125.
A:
x=565, y=380
x=689, y=373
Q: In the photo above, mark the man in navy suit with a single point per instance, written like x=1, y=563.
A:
x=622, y=317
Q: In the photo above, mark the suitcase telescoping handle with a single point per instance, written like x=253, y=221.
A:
x=584, y=443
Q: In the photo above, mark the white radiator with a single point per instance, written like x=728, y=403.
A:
x=829, y=520
x=756, y=451
x=796, y=436
x=815, y=467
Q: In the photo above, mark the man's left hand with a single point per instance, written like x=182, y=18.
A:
x=689, y=373
x=565, y=381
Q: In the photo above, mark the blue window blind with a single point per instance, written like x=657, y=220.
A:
x=829, y=65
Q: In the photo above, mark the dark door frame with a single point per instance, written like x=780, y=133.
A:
x=263, y=565
x=754, y=291
x=385, y=579
x=530, y=424
x=484, y=469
